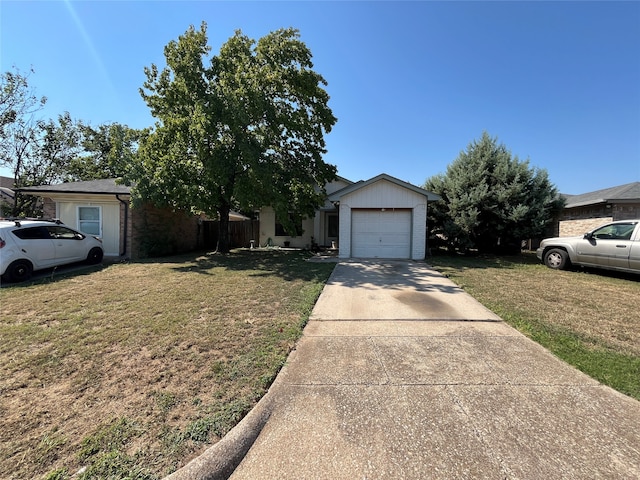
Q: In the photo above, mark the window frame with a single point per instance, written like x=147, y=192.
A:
x=80, y=221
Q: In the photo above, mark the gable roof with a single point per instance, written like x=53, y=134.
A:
x=95, y=187
x=345, y=180
x=6, y=193
x=335, y=196
x=6, y=182
x=628, y=192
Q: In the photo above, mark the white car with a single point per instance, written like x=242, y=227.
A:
x=29, y=245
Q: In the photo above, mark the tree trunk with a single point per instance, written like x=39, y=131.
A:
x=223, y=225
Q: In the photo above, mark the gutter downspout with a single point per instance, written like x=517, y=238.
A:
x=126, y=223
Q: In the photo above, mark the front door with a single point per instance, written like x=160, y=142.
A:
x=332, y=228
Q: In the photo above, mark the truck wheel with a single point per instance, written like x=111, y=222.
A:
x=557, y=259
x=19, y=271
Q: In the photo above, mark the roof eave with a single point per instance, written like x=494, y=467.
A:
x=66, y=192
x=335, y=196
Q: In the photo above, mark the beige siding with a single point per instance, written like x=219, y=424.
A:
x=267, y=226
x=111, y=229
x=334, y=187
x=387, y=195
x=383, y=194
x=67, y=212
x=268, y=231
x=419, y=228
x=344, y=220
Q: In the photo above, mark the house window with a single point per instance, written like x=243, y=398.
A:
x=280, y=231
x=90, y=221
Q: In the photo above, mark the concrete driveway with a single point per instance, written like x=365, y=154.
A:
x=400, y=374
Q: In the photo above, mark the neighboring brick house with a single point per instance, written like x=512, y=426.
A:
x=589, y=210
x=102, y=207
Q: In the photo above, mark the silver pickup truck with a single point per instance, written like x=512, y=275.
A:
x=614, y=246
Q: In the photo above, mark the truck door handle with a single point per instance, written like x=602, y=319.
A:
x=621, y=246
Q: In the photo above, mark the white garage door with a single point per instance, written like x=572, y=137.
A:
x=381, y=234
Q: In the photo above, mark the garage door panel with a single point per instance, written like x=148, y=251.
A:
x=381, y=234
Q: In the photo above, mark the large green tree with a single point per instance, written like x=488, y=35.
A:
x=491, y=200
x=20, y=131
x=44, y=153
x=107, y=151
x=40, y=152
x=18, y=105
x=242, y=130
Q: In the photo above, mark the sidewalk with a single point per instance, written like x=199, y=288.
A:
x=400, y=374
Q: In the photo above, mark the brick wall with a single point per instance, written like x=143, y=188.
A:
x=617, y=211
x=48, y=208
x=599, y=210
x=573, y=228
x=576, y=221
x=626, y=211
x=156, y=232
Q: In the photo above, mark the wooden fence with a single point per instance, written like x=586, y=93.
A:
x=240, y=233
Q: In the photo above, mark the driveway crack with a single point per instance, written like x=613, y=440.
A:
x=506, y=471
x=378, y=355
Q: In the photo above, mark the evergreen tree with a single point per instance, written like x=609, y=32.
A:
x=491, y=200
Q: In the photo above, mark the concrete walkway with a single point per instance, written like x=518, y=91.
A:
x=401, y=375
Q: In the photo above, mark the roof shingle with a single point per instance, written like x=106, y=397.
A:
x=100, y=187
x=629, y=191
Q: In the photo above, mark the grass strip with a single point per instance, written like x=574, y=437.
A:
x=589, y=319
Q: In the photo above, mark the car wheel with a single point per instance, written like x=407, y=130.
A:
x=95, y=255
x=19, y=271
x=557, y=259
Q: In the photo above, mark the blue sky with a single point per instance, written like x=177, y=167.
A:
x=412, y=83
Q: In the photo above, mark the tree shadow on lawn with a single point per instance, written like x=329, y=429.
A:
x=288, y=264
x=56, y=274
x=473, y=260
x=632, y=277
x=461, y=262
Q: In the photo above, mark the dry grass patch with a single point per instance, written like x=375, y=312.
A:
x=132, y=370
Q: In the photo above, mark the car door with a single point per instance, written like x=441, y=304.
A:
x=607, y=246
x=621, y=245
x=634, y=250
x=37, y=245
x=68, y=244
